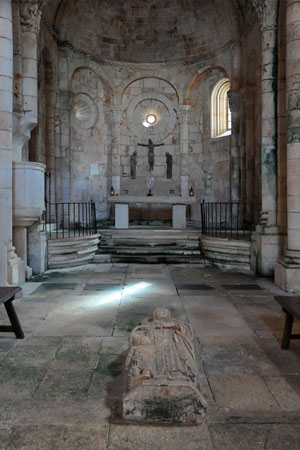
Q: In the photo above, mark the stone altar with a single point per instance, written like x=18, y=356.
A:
x=161, y=372
x=179, y=207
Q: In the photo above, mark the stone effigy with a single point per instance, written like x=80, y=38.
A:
x=161, y=373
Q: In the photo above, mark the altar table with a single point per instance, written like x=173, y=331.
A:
x=178, y=207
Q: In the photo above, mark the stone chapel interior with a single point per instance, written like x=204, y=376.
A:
x=84, y=83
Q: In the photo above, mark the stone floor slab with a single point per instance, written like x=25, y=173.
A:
x=19, y=381
x=77, y=353
x=53, y=410
x=242, y=392
x=136, y=437
x=30, y=355
x=239, y=436
x=284, y=437
x=64, y=383
x=50, y=437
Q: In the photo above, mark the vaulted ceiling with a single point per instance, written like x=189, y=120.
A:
x=149, y=31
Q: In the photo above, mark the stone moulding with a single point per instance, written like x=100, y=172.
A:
x=162, y=374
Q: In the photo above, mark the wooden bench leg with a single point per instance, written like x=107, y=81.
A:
x=16, y=326
x=288, y=326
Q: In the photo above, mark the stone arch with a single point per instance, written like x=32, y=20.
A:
x=93, y=66
x=133, y=79
x=220, y=113
x=194, y=84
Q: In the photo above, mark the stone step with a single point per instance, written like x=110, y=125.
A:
x=150, y=242
x=160, y=259
x=74, y=241
x=72, y=251
x=164, y=250
x=71, y=262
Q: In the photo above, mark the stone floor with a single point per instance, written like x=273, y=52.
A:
x=60, y=387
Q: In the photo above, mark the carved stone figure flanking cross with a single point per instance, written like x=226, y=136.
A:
x=150, y=147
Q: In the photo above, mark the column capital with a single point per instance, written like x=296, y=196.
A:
x=183, y=113
x=234, y=98
x=267, y=13
x=30, y=15
x=115, y=114
x=65, y=98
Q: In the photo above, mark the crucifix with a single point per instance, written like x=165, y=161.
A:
x=150, y=147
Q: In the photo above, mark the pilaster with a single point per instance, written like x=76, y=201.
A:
x=184, y=121
x=287, y=272
x=267, y=231
x=115, y=120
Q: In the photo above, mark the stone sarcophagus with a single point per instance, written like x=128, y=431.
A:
x=161, y=373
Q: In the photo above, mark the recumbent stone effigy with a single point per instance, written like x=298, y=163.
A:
x=161, y=372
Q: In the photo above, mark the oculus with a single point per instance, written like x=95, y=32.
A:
x=151, y=119
x=84, y=112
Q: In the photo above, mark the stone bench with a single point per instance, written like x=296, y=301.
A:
x=7, y=296
x=291, y=307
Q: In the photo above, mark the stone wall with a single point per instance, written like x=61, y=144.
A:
x=91, y=153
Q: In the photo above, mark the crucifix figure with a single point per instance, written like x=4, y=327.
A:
x=150, y=146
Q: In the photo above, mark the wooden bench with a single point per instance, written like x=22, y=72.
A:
x=7, y=296
x=291, y=307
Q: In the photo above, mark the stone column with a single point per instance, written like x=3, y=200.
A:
x=287, y=273
x=6, y=108
x=267, y=230
x=64, y=191
x=234, y=105
x=184, y=120
x=30, y=16
x=115, y=118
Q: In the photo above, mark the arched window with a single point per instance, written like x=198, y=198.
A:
x=220, y=111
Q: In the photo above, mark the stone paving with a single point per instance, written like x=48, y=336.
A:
x=61, y=386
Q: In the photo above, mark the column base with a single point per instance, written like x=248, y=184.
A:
x=287, y=278
x=16, y=268
x=37, y=250
x=268, y=251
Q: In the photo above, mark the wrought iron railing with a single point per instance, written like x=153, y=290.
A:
x=66, y=220
x=225, y=219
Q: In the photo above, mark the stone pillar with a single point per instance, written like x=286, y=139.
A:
x=234, y=105
x=184, y=120
x=287, y=273
x=8, y=259
x=115, y=118
x=234, y=98
x=64, y=191
x=268, y=244
x=30, y=16
x=249, y=176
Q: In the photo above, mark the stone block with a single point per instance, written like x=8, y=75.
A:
x=121, y=216
x=37, y=251
x=179, y=216
x=288, y=279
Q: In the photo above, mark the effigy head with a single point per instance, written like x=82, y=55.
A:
x=162, y=314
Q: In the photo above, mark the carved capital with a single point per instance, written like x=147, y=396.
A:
x=30, y=15
x=234, y=98
x=65, y=98
x=115, y=114
x=183, y=114
x=266, y=11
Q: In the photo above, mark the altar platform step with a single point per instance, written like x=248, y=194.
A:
x=73, y=251
x=151, y=245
